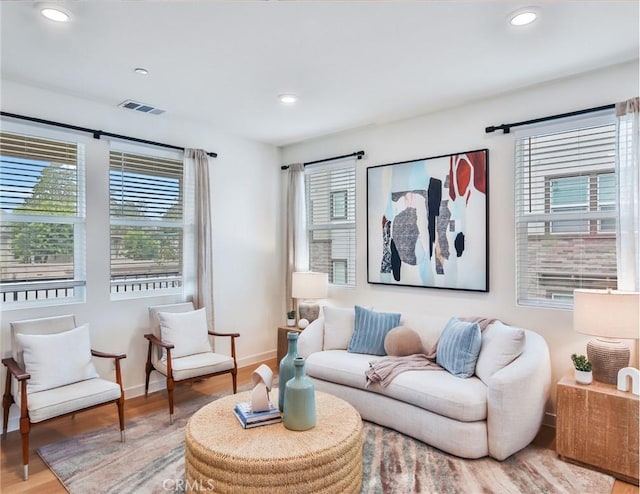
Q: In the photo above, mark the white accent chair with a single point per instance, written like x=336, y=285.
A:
x=185, y=368
x=58, y=378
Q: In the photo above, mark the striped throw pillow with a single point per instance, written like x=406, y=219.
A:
x=370, y=330
x=459, y=347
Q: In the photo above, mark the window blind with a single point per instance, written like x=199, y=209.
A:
x=331, y=210
x=146, y=201
x=565, y=212
x=42, y=239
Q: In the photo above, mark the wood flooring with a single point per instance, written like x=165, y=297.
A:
x=41, y=479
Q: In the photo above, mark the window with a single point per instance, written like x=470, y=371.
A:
x=607, y=193
x=146, y=201
x=339, y=271
x=339, y=202
x=565, y=210
x=588, y=192
x=42, y=237
x=331, y=210
x=569, y=194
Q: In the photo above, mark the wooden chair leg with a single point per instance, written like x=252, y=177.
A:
x=120, y=404
x=170, y=386
x=148, y=369
x=25, y=426
x=5, y=418
x=7, y=401
x=234, y=378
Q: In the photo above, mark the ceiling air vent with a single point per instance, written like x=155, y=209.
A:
x=141, y=107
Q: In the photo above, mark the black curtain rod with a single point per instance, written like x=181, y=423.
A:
x=506, y=128
x=358, y=155
x=96, y=133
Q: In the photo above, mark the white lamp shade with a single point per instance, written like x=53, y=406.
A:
x=309, y=285
x=607, y=313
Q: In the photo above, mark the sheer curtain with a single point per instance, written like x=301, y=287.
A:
x=297, y=246
x=198, y=251
x=628, y=248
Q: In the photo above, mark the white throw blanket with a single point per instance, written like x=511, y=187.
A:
x=383, y=371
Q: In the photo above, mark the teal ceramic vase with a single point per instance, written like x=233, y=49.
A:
x=299, y=400
x=286, y=371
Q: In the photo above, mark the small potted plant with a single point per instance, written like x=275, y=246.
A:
x=291, y=318
x=583, y=369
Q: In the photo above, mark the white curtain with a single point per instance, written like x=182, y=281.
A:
x=198, y=252
x=627, y=167
x=297, y=246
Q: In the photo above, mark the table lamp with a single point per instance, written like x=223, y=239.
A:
x=609, y=315
x=305, y=287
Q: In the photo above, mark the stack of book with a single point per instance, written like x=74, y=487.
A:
x=248, y=418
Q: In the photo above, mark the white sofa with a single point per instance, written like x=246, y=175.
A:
x=470, y=418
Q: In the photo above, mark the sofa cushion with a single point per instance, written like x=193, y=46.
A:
x=435, y=390
x=50, y=403
x=57, y=359
x=402, y=341
x=195, y=365
x=501, y=345
x=459, y=347
x=338, y=327
x=340, y=366
x=370, y=330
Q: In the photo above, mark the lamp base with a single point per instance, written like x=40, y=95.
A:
x=607, y=357
x=309, y=311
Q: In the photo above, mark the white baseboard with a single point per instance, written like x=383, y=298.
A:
x=549, y=419
x=14, y=422
x=256, y=359
x=155, y=384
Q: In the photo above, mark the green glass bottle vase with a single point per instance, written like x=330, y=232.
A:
x=286, y=370
x=299, y=400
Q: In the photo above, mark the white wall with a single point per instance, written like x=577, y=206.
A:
x=246, y=217
x=462, y=129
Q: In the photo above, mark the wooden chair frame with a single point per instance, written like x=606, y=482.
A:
x=13, y=369
x=171, y=382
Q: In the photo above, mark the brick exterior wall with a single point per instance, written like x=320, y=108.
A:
x=585, y=262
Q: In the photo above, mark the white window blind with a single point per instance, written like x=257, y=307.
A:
x=42, y=237
x=331, y=210
x=146, y=201
x=565, y=211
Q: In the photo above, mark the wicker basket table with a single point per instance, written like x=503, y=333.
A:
x=222, y=457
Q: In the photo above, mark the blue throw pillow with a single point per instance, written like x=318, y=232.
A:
x=371, y=328
x=459, y=347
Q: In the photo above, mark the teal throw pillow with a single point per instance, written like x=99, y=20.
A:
x=370, y=330
x=459, y=347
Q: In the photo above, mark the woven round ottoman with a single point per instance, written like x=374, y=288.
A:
x=222, y=457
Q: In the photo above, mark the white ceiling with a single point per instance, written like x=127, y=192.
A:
x=351, y=63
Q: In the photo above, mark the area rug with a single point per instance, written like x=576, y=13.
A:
x=152, y=461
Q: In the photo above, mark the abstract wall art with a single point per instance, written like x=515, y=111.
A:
x=427, y=222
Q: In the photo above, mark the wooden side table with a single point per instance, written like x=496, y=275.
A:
x=283, y=346
x=597, y=426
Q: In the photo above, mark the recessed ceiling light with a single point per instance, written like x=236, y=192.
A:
x=55, y=14
x=141, y=71
x=523, y=17
x=288, y=99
